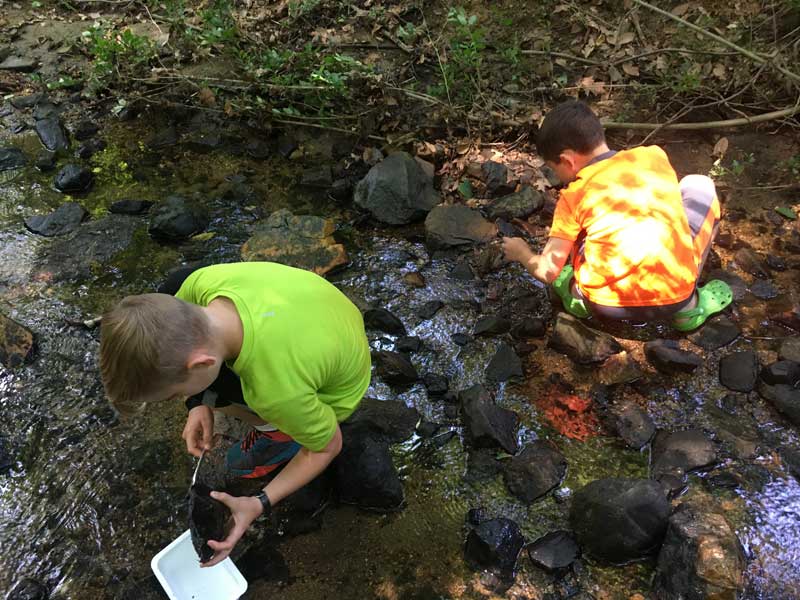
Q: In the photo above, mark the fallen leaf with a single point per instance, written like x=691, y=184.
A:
x=681, y=9
x=626, y=38
x=206, y=97
x=720, y=148
x=630, y=69
x=203, y=237
x=786, y=212
x=465, y=189
x=593, y=87
x=719, y=71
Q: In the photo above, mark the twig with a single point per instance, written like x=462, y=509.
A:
x=587, y=61
x=770, y=116
x=669, y=51
x=329, y=128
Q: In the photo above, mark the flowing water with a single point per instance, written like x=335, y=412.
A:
x=88, y=501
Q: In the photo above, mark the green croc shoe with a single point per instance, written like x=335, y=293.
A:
x=561, y=285
x=711, y=299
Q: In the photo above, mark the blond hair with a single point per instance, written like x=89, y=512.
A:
x=145, y=343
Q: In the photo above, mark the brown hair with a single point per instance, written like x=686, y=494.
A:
x=145, y=343
x=569, y=126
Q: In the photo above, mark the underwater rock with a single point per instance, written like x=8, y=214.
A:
x=305, y=242
x=396, y=191
x=504, y=365
x=130, y=207
x=495, y=176
x=12, y=158
x=535, y=471
x=790, y=349
x=435, y=384
x=88, y=149
x=407, y=344
x=429, y=309
x=52, y=135
x=448, y=226
x=738, y=371
x=750, y=261
x=207, y=520
x=394, y=368
x=64, y=219
x=72, y=179
x=681, y=451
x=785, y=372
x=789, y=318
x=29, y=589
x=620, y=368
x=631, y=422
x=666, y=356
x=556, y=550
x=382, y=320
x=487, y=425
x=85, y=129
x=716, y=333
x=580, y=343
x=529, y=327
x=764, y=289
x=45, y=161
x=389, y=419
x=494, y=544
x=619, y=520
x=365, y=473
x=482, y=465
x=785, y=398
x=519, y=205
x=491, y=325
x=168, y=136
x=701, y=558
x=176, y=219
x=16, y=343
x=462, y=271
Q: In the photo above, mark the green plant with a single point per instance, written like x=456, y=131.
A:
x=407, y=33
x=793, y=164
x=735, y=169
x=300, y=8
x=116, y=54
x=466, y=53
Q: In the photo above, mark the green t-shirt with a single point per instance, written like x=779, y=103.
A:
x=305, y=360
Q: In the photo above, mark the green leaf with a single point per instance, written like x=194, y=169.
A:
x=465, y=189
x=36, y=4
x=786, y=212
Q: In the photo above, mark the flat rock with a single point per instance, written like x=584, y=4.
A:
x=12, y=158
x=388, y=419
x=27, y=101
x=394, y=368
x=494, y=544
x=786, y=372
x=429, y=309
x=716, y=333
x=365, y=474
x=304, y=241
x=21, y=64
x=666, y=356
x=64, y=219
x=764, y=289
x=176, y=219
x=495, y=176
x=529, y=327
x=620, y=368
x=482, y=465
x=790, y=349
x=437, y=385
x=73, y=179
x=16, y=343
x=738, y=371
x=750, y=261
x=785, y=398
x=52, y=135
x=580, y=343
x=130, y=207
x=681, y=452
x=535, y=471
x=736, y=283
x=789, y=318
x=408, y=343
x=504, y=365
x=487, y=425
x=382, y=320
x=453, y=225
x=491, y=325
x=519, y=205
x=554, y=551
x=631, y=422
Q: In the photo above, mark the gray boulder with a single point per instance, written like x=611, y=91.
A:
x=494, y=544
x=535, y=471
x=12, y=158
x=487, y=425
x=176, y=219
x=738, y=371
x=64, y=219
x=505, y=364
x=681, y=452
x=580, y=343
x=666, y=356
x=516, y=206
x=448, y=226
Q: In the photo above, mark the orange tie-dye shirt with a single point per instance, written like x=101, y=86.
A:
x=638, y=246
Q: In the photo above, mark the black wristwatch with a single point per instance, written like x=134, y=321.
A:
x=265, y=504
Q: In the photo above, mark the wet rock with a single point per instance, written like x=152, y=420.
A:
x=12, y=158
x=130, y=207
x=341, y=190
x=461, y=339
x=391, y=420
x=28, y=589
x=176, y=219
x=716, y=333
x=482, y=465
x=365, y=474
x=304, y=241
x=631, y=422
x=408, y=344
x=203, y=141
x=736, y=283
x=396, y=191
x=620, y=368
x=487, y=425
x=790, y=349
x=207, y=520
x=494, y=544
x=88, y=149
x=495, y=176
x=785, y=398
x=529, y=327
x=164, y=138
x=764, y=289
x=580, y=343
x=72, y=179
x=28, y=101
x=489, y=259
x=681, y=451
x=738, y=371
x=785, y=372
x=64, y=219
x=539, y=468
x=20, y=64
x=504, y=365
x=675, y=483
x=141, y=589
x=52, y=134
x=45, y=161
x=454, y=225
x=619, y=520
x=84, y=130
x=667, y=357
x=151, y=458
x=775, y=263
x=791, y=460
x=262, y=562
x=436, y=384
x=491, y=325
x=382, y=320
x=46, y=110
x=701, y=558
x=516, y=206
x=394, y=368
x=414, y=279
x=462, y=271
x=750, y=261
x=554, y=551
x=789, y=318
x=427, y=429
x=317, y=177
x=429, y=309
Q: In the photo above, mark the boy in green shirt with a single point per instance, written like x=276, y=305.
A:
x=278, y=347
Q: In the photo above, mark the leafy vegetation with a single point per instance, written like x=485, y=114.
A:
x=117, y=54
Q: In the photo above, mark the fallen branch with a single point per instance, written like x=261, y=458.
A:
x=770, y=116
x=587, y=61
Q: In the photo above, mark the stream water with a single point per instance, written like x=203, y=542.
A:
x=88, y=501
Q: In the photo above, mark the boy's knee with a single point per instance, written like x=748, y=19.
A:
x=698, y=185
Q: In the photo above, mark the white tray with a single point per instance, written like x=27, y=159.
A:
x=178, y=570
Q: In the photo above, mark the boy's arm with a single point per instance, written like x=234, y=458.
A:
x=545, y=266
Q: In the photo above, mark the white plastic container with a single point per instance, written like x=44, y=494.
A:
x=179, y=573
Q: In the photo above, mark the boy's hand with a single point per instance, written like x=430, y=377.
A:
x=516, y=250
x=245, y=510
x=199, y=430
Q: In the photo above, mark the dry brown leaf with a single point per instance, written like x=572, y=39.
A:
x=206, y=97
x=720, y=148
x=593, y=87
x=626, y=38
x=681, y=9
x=229, y=110
x=630, y=69
x=719, y=71
x=614, y=74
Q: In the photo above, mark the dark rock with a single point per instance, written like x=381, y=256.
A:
x=429, y=309
x=435, y=384
x=495, y=176
x=619, y=520
x=667, y=357
x=408, y=344
x=791, y=460
x=620, y=368
x=632, y=423
x=341, y=190
x=382, y=320
x=442, y=438
x=88, y=149
x=535, y=471
x=52, y=134
x=462, y=271
x=775, y=263
x=130, y=207
x=427, y=429
x=365, y=474
x=64, y=219
x=164, y=138
x=317, y=177
x=675, y=483
x=203, y=142
x=681, y=451
x=476, y=516
x=516, y=206
x=750, y=261
x=391, y=420
x=785, y=398
x=554, y=551
x=790, y=349
x=764, y=289
x=504, y=365
x=738, y=371
x=487, y=425
x=6, y=459
x=140, y=589
x=396, y=191
x=28, y=101
x=46, y=110
x=454, y=225
x=789, y=318
x=394, y=368
x=263, y=562
x=701, y=558
x=21, y=64
x=72, y=179
x=286, y=145
x=491, y=325
x=580, y=343
x=84, y=130
x=305, y=242
x=785, y=372
x=176, y=219
x=29, y=589
x=716, y=333
x=151, y=458
x=736, y=283
x=482, y=465
x=461, y=339
x=529, y=327
x=45, y=161
x=12, y=158
x=207, y=520
x=494, y=544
